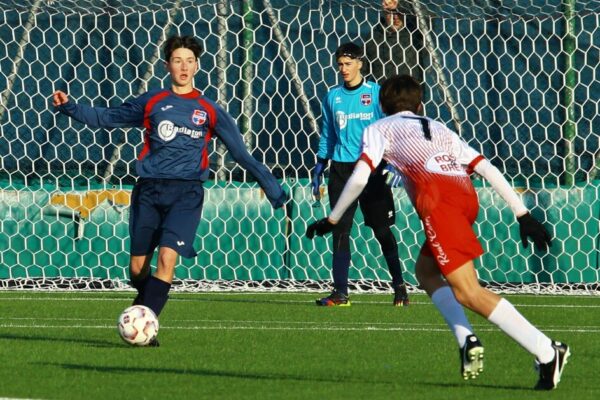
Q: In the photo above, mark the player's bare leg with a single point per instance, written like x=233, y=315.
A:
x=469, y=292
x=470, y=348
x=154, y=292
x=153, y=289
x=158, y=286
x=139, y=274
x=167, y=258
x=551, y=356
x=428, y=274
x=139, y=266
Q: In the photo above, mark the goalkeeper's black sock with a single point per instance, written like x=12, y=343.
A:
x=139, y=283
x=156, y=294
x=393, y=263
x=341, y=265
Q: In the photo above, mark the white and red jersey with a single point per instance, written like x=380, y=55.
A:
x=435, y=164
x=433, y=160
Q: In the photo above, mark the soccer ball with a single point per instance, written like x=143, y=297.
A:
x=138, y=325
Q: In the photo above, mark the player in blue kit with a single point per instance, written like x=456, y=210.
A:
x=347, y=110
x=166, y=202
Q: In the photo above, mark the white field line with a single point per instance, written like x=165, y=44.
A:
x=280, y=301
x=286, y=328
x=224, y=322
x=79, y=323
x=234, y=327
x=16, y=398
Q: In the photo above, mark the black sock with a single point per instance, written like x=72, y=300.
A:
x=156, y=294
x=340, y=267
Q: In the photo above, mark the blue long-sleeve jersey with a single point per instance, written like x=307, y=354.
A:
x=346, y=113
x=178, y=130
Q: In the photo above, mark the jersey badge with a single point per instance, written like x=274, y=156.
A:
x=365, y=99
x=199, y=117
x=445, y=164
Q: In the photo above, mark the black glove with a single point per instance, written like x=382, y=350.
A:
x=531, y=227
x=320, y=227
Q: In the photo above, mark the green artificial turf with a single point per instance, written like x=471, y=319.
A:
x=59, y=345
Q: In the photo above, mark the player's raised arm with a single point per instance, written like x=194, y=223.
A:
x=227, y=130
x=128, y=114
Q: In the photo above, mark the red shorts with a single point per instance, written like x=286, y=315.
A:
x=450, y=238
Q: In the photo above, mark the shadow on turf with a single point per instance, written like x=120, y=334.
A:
x=208, y=372
x=93, y=343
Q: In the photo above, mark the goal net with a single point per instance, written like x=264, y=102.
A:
x=517, y=79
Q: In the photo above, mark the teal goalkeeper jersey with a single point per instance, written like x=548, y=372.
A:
x=346, y=113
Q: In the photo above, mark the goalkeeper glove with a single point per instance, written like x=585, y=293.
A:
x=281, y=200
x=317, y=177
x=392, y=177
x=321, y=227
x=532, y=228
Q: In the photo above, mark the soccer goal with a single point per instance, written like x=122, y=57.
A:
x=518, y=80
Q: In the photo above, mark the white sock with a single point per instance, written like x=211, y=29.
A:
x=453, y=313
x=507, y=318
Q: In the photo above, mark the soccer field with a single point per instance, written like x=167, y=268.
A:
x=278, y=346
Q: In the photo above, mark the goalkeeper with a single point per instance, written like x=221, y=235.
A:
x=347, y=110
x=435, y=164
x=166, y=202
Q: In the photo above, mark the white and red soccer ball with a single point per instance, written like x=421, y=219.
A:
x=138, y=325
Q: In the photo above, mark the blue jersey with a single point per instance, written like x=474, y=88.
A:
x=346, y=113
x=178, y=131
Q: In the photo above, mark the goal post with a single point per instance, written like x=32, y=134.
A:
x=518, y=80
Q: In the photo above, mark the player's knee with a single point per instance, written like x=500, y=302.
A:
x=167, y=258
x=138, y=265
x=468, y=298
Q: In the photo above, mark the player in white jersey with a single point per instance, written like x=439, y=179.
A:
x=435, y=164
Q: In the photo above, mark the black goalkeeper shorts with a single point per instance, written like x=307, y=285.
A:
x=376, y=201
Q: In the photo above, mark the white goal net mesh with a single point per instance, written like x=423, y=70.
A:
x=517, y=79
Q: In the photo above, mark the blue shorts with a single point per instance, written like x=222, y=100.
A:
x=165, y=213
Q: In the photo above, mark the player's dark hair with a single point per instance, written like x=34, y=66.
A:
x=400, y=93
x=350, y=50
x=177, y=42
